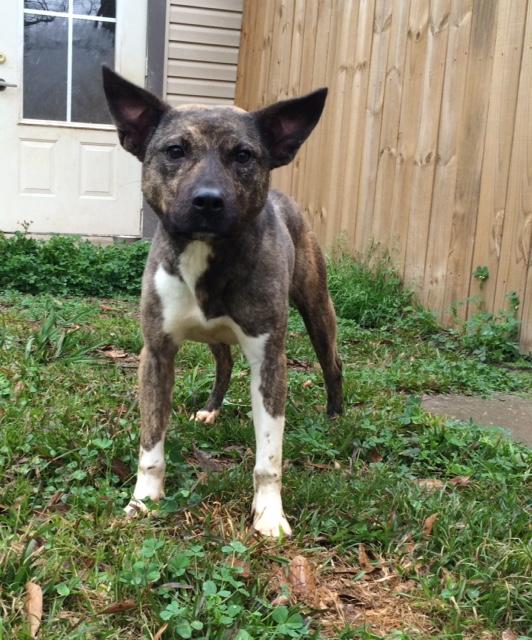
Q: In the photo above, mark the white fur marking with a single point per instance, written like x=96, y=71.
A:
x=269, y=519
x=183, y=318
x=150, y=475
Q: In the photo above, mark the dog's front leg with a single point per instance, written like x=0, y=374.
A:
x=156, y=382
x=268, y=395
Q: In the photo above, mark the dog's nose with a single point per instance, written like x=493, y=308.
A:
x=208, y=201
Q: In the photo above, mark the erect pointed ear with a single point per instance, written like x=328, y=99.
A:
x=284, y=126
x=135, y=111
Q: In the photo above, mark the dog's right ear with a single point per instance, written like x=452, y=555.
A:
x=135, y=111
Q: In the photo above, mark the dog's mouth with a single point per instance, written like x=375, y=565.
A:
x=196, y=231
x=197, y=227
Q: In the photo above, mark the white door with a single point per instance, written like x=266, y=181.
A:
x=61, y=167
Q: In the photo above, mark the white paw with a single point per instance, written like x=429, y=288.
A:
x=208, y=417
x=270, y=521
x=135, y=508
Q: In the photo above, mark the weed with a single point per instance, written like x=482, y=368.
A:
x=58, y=338
x=66, y=265
x=369, y=292
x=493, y=337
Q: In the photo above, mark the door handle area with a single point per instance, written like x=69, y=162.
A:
x=4, y=84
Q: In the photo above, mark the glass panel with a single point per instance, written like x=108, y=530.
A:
x=45, y=67
x=47, y=5
x=93, y=45
x=100, y=8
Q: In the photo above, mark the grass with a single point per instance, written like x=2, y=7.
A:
x=395, y=559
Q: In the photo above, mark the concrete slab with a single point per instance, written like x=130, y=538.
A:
x=510, y=412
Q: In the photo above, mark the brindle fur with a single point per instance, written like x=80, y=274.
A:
x=263, y=251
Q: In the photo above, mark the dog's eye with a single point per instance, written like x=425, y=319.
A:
x=175, y=151
x=242, y=156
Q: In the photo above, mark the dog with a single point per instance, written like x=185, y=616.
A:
x=227, y=256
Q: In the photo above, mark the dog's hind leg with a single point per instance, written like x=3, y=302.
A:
x=156, y=380
x=311, y=297
x=224, y=367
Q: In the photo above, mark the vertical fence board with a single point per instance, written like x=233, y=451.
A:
x=354, y=134
x=424, y=146
x=335, y=124
x=374, y=111
x=303, y=85
x=390, y=122
x=425, y=154
x=526, y=318
x=408, y=128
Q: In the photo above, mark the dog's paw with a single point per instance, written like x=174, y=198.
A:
x=135, y=508
x=208, y=417
x=271, y=523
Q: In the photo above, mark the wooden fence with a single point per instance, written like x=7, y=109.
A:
x=425, y=145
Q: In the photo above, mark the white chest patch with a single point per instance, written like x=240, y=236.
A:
x=183, y=318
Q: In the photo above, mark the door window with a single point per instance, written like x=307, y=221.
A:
x=65, y=44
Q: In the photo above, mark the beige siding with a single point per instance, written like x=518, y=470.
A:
x=202, y=51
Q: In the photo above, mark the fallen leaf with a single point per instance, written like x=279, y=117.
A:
x=375, y=456
x=302, y=579
x=106, y=307
x=307, y=384
x=159, y=633
x=460, y=481
x=119, y=607
x=206, y=461
x=300, y=365
x=430, y=483
x=121, y=469
x=240, y=564
x=318, y=465
x=19, y=388
x=363, y=559
x=33, y=607
x=281, y=600
x=114, y=353
x=508, y=634
x=429, y=524
x=55, y=504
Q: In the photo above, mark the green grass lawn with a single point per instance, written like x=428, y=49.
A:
x=392, y=557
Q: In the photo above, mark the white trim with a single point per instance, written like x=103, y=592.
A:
x=63, y=14
x=70, y=36
x=63, y=123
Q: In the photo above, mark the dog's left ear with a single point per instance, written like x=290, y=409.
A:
x=135, y=111
x=284, y=126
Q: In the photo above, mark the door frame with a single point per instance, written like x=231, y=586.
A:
x=155, y=82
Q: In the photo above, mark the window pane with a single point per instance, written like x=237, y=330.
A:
x=100, y=8
x=93, y=45
x=45, y=67
x=47, y=5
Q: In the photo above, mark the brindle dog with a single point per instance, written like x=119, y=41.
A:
x=227, y=256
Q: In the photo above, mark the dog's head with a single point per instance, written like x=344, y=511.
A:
x=206, y=170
